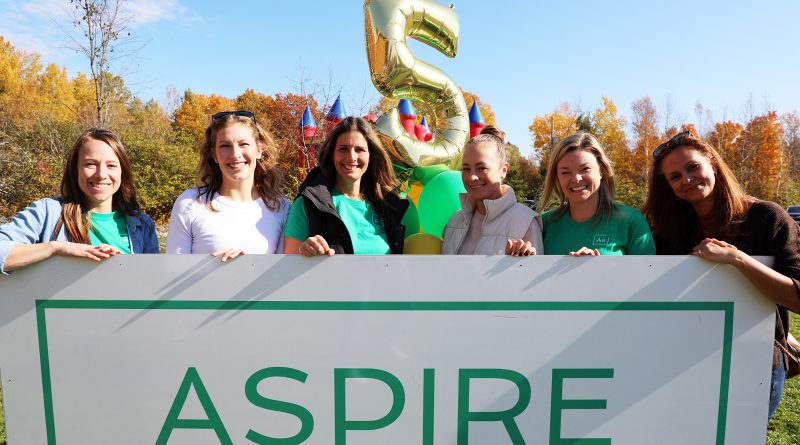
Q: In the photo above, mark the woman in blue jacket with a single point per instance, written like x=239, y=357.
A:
x=96, y=217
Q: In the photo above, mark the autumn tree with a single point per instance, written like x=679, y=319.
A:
x=610, y=132
x=523, y=176
x=57, y=93
x=83, y=92
x=34, y=132
x=791, y=140
x=164, y=165
x=725, y=138
x=193, y=115
x=766, y=164
x=256, y=102
x=547, y=130
x=646, y=137
x=19, y=87
x=584, y=122
x=283, y=116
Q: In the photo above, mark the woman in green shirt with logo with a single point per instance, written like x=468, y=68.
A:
x=97, y=215
x=348, y=204
x=587, y=221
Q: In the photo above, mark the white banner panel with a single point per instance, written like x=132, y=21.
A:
x=391, y=350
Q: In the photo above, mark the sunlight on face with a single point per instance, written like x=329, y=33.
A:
x=482, y=171
x=579, y=177
x=99, y=174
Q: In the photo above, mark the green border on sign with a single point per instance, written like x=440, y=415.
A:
x=725, y=306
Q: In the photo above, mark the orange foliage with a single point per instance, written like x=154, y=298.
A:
x=724, y=138
x=761, y=153
x=283, y=115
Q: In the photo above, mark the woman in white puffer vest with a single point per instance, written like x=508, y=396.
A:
x=491, y=221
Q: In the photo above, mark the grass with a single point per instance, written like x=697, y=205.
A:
x=784, y=429
x=2, y=420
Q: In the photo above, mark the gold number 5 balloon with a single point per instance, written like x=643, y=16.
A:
x=397, y=73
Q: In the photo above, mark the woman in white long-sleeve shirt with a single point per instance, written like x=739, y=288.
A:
x=239, y=207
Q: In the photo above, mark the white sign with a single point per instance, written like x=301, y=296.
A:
x=391, y=350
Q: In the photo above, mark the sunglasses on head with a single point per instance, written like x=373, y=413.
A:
x=673, y=142
x=221, y=114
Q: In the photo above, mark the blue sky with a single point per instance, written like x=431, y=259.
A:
x=522, y=57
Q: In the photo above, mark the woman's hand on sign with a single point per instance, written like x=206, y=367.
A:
x=519, y=248
x=228, y=254
x=585, y=251
x=315, y=245
x=718, y=251
x=79, y=250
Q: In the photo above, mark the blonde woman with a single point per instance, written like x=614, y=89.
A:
x=491, y=221
x=586, y=220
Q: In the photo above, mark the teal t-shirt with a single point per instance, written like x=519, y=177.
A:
x=363, y=223
x=626, y=232
x=110, y=228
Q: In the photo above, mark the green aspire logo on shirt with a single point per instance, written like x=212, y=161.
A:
x=600, y=240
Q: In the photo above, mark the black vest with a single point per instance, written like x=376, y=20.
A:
x=324, y=220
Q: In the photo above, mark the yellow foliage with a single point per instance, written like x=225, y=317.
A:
x=194, y=114
x=610, y=132
x=646, y=138
x=558, y=125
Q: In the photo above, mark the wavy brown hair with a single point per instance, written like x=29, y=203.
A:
x=552, y=190
x=268, y=179
x=74, y=218
x=673, y=219
x=379, y=179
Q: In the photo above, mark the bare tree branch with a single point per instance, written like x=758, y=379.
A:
x=103, y=39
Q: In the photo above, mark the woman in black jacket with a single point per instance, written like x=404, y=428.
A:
x=349, y=203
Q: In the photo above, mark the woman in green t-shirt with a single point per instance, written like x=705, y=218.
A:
x=587, y=221
x=96, y=216
x=349, y=203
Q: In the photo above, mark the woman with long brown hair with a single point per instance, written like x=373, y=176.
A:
x=238, y=206
x=348, y=204
x=696, y=206
x=96, y=216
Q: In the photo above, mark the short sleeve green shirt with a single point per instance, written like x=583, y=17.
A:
x=109, y=228
x=363, y=223
x=626, y=232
